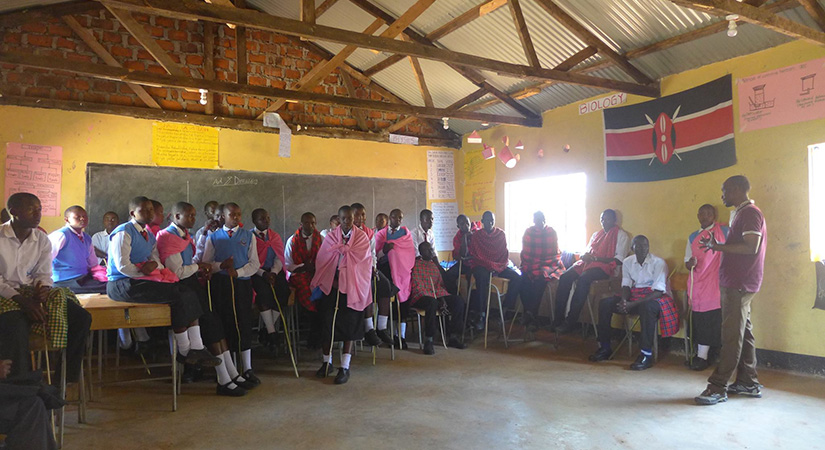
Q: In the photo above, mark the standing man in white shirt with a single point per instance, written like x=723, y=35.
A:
x=424, y=232
x=644, y=293
x=100, y=240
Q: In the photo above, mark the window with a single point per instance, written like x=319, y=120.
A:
x=816, y=188
x=560, y=198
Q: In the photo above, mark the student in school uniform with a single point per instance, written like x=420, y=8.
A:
x=209, y=222
x=73, y=257
x=210, y=227
x=381, y=221
x=396, y=260
x=4, y=215
x=334, y=221
x=424, y=231
x=359, y=220
x=343, y=274
x=157, y=223
x=270, y=283
x=176, y=249
x=100, y=240
x=137, y=276
x=233, y=253
x=28, y=302
x=300, y=254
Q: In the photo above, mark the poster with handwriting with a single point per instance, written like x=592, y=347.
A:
x=479, y=184
x=37, y=169
x=444, y=228
x=440, y=175
x=184, y=145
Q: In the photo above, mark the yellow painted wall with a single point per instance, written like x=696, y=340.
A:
x=774, y=159
x=100, y=138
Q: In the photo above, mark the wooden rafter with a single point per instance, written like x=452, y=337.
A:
x=209, y=62
x=196, y=10
x=463, y=19
x=756, y=16
x=154, y=79
x=592, y=40
x=422, y=84
x=454, y=107
x=324, y=7
x=44, y=13
x=523, y=33
x=308, y=11
x=89, y=38
x=360, y=119
x=815, y=10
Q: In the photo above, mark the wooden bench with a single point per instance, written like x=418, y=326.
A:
x=108, y=314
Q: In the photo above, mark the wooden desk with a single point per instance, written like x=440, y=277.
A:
x=108, y=314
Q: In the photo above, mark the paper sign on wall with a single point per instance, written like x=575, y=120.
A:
x=37, y=169
x=440, y=175
x=184, y=145
x=603, y=103
x=274, y=120
x=782, y=96
x=479, y=184
x=444, y=214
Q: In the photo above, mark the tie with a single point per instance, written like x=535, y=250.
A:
x=144, y=234
x=229, y=232
x=185, y=235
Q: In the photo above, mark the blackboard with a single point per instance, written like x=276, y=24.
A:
x=286, y=196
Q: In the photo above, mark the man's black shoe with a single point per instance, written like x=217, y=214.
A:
x=372, y=338
x=602, y=354
x=343, y=376
x=699, y=364
x=429, y=348
x=225, y=390
x=400, y=345
x=326, y=369
x=642, y=362
x=250, y=377
x=455, y=343
x=203, y=358
x=384, y=336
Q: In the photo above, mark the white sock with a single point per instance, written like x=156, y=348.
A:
x=403, y=328
x=275, y=319
x=223, y=374
x=142, y=335
x=182, y=340
x=702, y=351
x=195, y=341
x=230, y=367
x=269, y=322
x=328, y=358
x=124, y=337
x=246, y=357
x=382, y=322
x=345, y=360
x=368, y=324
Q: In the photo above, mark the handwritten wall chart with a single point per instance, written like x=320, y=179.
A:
x=184, y=145
x=37, y=169
x=479, y=184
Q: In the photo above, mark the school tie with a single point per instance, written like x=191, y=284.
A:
x=144, y=234
x=185, y=235
x=229, y=232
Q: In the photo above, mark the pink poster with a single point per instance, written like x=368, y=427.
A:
x=37, y=169
x=779, y=97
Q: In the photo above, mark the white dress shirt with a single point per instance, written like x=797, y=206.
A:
x=277, y=266
x=622, y=244
x=289, y=263
x=120, y=249
x=652, y=274
x=419, y=236
x=23, y=263
x=58, y=241
x=247, y=270
x=175, y=262
x=100, y=241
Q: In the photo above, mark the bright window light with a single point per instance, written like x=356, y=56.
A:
x=561, y=198
x=816, y=180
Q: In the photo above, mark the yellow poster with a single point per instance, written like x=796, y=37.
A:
x=479, y=184
x=184, y=145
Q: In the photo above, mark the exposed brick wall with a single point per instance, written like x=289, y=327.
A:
x=273, y=60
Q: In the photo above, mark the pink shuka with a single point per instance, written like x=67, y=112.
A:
x=159, y=275
x=704, y=287
x=171, y=244
x=401, y=258
x=355, y=268
x=274, y=242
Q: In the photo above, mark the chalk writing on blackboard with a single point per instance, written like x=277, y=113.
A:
x=233, y=181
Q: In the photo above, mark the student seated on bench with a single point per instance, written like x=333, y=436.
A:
x=427, y=292
x=73, y=256
x=270, y=280
x=490, y=257
x=177, y=251
x=100, y=240
x=644, y=287
x=134, y=272
x=27, y=299
x=299, y=259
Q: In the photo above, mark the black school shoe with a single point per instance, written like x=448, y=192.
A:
x=699, y=364
x=343, y=376
x=203, y=358
x=190, y=374
x=429, y=349
x=250, y=377
x=384, y=335
x=602, y=354
x=225, y=390
x=455, y=343
x=372, y=338
x=642, y=362
x=400, y=345
x=326, y=369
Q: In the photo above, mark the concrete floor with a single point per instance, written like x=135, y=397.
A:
x=530, y=396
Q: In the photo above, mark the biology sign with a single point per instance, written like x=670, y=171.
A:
x=602, y=103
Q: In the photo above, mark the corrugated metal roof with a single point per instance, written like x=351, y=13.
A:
x=12, y=5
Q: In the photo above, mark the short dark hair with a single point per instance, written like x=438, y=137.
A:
x=257, y=212
x=307, y=214
x=396, y=209
x=740, y=181
x=460, y=217
x=344, y=209
x=156, y=203
x=424, y=212
x=181, y=207
x=213, y=203
x=137, y=201
x=610, y=212
x=228, y=205
x=538, y=214
x=19, y=199
x=357, y=205
x=73, y=208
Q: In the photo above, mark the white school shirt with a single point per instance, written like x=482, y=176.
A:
x=247, y=270
x=652, y=274
x=277, y=266
x=100, y=241
x=419, y=236
x=58, y=241
x=175, y=262
x=121, y=248
x=23, y=263
x=289, y=263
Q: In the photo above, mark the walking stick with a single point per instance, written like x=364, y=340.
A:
x=48, y=371
x=332, y=334
x=374, y=311
x=235, y=314
x=690, y=316
x=286, y=331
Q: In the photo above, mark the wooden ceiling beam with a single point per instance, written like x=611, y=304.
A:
x=162, y=80
x=44, y=13
x=308, y=11
x=475, y=95
x=360, y=117
x=815, y=10
x=324, y=7
x=422, y=84
x=196, y=10
x=523, y=33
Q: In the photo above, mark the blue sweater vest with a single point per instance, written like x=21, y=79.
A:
x=236, y=247
x=72, y=260
x=141, y=249
x=188, y=253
